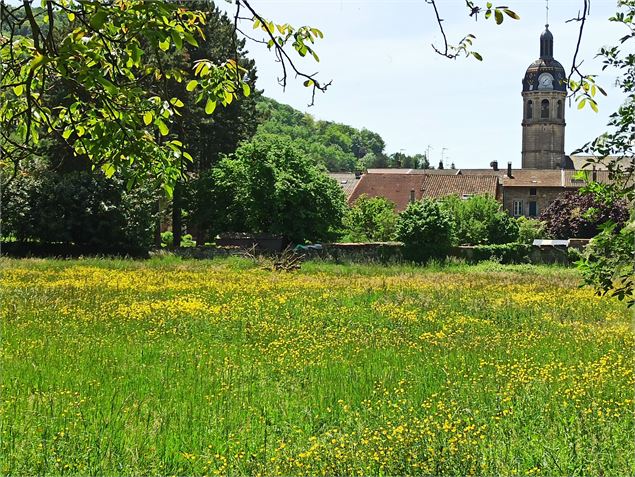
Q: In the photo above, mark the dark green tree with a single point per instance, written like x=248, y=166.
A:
x=270, y=187
x=427, y=230
x=370, y=219
x=208, y=137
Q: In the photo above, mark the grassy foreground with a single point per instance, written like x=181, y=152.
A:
x=203, y=368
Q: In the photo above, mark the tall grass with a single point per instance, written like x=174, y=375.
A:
x=202, y=368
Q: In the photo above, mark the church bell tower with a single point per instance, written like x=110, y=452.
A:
x=544, y=93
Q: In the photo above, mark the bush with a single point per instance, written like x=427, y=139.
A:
x=608, y=262
x=529, y=230
x=503, y=253
x=79, y=208
x=481, y=220
x=427, y=230
x=574, y=215
x=167, y=240
x=370, y=219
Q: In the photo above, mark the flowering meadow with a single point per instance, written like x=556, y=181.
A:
x=221, y=368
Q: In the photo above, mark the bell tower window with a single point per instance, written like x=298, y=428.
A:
x=560, y=110
x=544, y=109
x=530, y=109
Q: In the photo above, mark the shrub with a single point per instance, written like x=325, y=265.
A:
x=427, y=230
x=574, y=215
x=481, y=220
x=371, y=219
x=79, y=208
x=530, y=229
x=608, y=262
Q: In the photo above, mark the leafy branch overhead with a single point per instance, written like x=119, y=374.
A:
x=464, y=46
x=112, y=60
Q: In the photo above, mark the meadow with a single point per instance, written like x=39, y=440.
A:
x=169, y=367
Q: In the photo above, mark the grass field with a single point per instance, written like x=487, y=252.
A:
x=204, y=368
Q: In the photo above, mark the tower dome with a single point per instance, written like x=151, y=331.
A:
x=545, y=73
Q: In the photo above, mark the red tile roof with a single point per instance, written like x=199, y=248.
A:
x=397, y=187
x=394, y=187
x=444, y=185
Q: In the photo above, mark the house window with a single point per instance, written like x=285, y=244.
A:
x=560, y=110
x=533, y=208
x=532, y=191
x=518, y=208
x=530, y=109
x=544, y=109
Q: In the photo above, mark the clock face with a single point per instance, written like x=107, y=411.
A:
x=545, y=81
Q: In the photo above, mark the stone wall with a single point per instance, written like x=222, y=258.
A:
x=544, y=196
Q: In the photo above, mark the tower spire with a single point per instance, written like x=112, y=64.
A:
x=546, y=44
x=547, y=14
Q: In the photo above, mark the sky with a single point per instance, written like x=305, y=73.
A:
x=387, y=78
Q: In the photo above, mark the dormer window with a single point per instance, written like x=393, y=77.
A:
x=544, y=109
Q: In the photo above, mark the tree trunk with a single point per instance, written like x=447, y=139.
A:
x=157, y=228
x=177, y=216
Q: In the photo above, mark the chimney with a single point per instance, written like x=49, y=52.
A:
x=509, y=170
x=440, y=165
x=494, y=165
x=412, y=195
x=358, y=174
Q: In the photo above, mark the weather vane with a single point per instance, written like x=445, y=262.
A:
x=547, y=2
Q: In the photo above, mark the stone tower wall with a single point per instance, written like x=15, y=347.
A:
x=543, y=138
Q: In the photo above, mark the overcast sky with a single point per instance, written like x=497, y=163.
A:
x=387, y=78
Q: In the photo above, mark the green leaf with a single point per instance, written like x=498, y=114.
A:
x=177, y=102
x=512, y=14
x=190, y=38
x=108, y=86
x=37, y=61
x=165, y=44
x=309, y=83
x=98, y=19
x=246, y=89
x=476, y=55
x=67, y=133
x=18, y=90
x=147, y=117
x=581, y=104
x=210, y=106
x=191, y=85
x=498, y=15
x=71, y=16
x=594, y=106
x=178, y=41
x=108, y=169
x=163, y=129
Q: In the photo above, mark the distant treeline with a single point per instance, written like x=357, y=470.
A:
x=338, y=146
